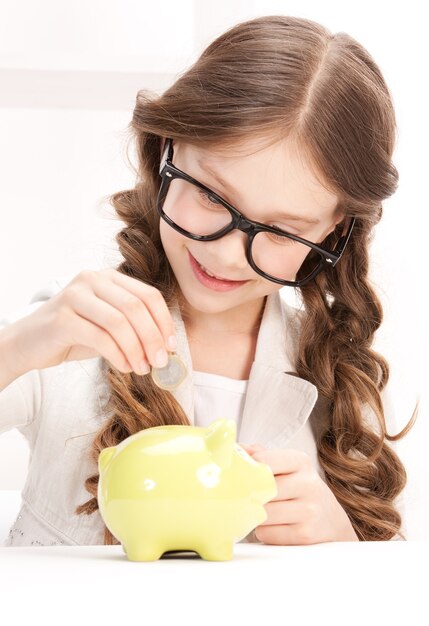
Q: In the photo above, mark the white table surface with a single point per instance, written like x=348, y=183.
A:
x=329, y=583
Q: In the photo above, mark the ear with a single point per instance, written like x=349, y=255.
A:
x=337, y=219
x=339, y=216
x=220, y=438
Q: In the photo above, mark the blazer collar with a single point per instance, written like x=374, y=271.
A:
x=278, y=402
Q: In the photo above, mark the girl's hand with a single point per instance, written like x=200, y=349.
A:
x=305, y=509
x=98, y=313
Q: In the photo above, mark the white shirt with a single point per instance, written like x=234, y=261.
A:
x=218, y=396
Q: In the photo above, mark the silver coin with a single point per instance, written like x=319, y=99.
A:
x=172, y=375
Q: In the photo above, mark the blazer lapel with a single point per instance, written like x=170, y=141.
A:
x=278, y=402
x=184, y=394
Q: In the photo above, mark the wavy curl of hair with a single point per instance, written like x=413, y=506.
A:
x=274, y=77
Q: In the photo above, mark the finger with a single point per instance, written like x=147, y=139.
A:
x=84, y=332
x=114, y=322
x=285, y=535
x=153, y=300
x=292, y=511
x=246, y=447
x=283, y=461
x=251, y=448
x=290, y=486
x=139, y=317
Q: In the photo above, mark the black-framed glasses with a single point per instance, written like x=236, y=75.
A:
x=198, y=212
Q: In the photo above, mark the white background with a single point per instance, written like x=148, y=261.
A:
x=69, y=73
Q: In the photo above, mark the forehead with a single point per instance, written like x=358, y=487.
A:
x=261, y=168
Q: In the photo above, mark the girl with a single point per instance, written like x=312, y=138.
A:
x=264, y=165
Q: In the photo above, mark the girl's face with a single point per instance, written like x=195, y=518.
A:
x=274, y=186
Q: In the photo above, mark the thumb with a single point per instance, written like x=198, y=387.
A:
x=256, y=446
x=251, y=448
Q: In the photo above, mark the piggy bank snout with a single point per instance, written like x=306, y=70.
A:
x=264, y=484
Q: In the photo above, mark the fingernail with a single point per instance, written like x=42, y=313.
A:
x=172, y=342
x=144, y=368
x=161, y=358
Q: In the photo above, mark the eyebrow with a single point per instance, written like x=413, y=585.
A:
x=231, y=191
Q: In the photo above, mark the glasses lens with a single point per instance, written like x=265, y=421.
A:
x=194, y=209
x=279, y=257
x=198, y=212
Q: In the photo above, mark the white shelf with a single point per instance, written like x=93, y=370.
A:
x=77, y=89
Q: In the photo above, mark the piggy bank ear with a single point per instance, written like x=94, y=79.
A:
x=105, y=456
x=220, y=440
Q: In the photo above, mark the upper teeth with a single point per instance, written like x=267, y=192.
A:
x=209, y=273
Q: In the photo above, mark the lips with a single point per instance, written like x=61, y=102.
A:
x=213, y=283
x=213, y=275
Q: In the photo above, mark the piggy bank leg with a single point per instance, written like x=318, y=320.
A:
x=216, y=550
x=149, y=550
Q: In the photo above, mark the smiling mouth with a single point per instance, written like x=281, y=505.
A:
x=215, y=280
x=209, y=273
x=214, y=275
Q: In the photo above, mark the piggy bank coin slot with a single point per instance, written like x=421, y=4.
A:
x=172, y=375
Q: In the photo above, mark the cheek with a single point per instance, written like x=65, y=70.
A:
x=170, y=238
x=271, y=288
x=164, y=231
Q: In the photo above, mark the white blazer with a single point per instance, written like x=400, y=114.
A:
x=59, y=410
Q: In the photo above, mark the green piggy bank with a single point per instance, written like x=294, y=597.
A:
x=174, y=488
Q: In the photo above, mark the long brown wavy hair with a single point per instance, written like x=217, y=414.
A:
x=275, y=77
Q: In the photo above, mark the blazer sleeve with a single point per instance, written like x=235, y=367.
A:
x=20, y=401
x=391, y=426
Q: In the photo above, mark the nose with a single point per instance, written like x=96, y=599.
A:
x=231, y=249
